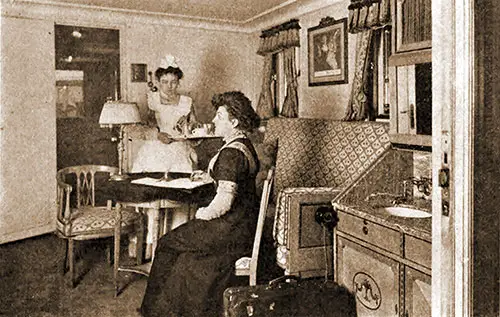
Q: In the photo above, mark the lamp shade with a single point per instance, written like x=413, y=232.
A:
x=117, y=112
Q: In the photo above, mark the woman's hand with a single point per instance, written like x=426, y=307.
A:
x=204, y=213
x=164, y=138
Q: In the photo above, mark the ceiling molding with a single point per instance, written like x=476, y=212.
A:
x=75, y=13
x=267, y=12
x=294, y=10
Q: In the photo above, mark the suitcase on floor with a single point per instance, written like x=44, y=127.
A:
x=290, y=296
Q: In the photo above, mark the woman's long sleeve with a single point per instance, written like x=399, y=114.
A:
x=221, y=203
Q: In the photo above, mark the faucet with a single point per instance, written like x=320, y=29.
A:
x=424, y=184
x=395, y=198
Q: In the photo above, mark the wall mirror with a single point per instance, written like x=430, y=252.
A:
x=87, y=73
x=87, y=69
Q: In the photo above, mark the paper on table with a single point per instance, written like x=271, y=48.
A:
x=178, y=183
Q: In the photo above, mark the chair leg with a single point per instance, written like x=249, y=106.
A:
x=71, y=258
x=65, y=262
x=109, y=254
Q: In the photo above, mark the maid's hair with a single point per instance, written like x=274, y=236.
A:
x=176, y=71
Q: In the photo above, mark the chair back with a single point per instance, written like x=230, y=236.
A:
x=84, y=178
x=264, y=201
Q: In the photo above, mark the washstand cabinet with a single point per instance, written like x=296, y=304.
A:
x=387, y=268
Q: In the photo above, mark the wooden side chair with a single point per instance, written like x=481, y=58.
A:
x=247, y=266
x=78, y=217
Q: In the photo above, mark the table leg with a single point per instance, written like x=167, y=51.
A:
x=118, y=221
x=154, y=219
x=140, y=238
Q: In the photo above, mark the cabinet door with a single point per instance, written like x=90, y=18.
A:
x=372, y=277
x=411, y=104
x=413, y=25
x=417, y=293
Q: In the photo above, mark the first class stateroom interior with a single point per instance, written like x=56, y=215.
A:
x=249, y=158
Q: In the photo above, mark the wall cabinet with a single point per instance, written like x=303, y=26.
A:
x=389, y=276
x=410, y=72
x=411, y=104
x=412, y=32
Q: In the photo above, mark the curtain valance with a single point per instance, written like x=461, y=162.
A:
x=279, y=37
x=368, y=14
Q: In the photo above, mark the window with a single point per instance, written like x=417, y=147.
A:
x=278, y=86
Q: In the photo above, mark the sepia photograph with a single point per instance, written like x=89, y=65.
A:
x=253, y=158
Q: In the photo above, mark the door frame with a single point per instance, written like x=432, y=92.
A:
x=452, y=143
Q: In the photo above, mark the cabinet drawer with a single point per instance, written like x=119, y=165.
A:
x=418, y=251
x=380, y=236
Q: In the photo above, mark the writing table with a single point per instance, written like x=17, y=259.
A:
x=152, y=193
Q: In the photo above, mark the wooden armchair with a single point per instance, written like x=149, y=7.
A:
x=78, y=217
x=247, y=266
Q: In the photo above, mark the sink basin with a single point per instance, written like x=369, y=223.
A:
x=406, y=212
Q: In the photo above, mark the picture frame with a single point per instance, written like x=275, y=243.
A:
x=327, y=52
x=138, y=73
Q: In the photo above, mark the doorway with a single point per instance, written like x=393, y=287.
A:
x=87, y=64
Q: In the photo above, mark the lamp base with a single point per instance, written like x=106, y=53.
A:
x=119, y=177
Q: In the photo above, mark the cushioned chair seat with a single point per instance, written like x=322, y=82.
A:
x=79, y=212
x=98, y=219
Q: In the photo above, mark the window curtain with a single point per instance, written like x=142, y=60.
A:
x=368, y=14
x=279, y=38
x=291, y=104
x=365, y=18
x=265, y=106
x=359, y=103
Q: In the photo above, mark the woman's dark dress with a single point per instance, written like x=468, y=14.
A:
x=193, y=263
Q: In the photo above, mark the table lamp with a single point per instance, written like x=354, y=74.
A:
x=118, y=113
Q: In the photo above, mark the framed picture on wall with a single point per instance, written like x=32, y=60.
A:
x=327, y=52
x=138, y=73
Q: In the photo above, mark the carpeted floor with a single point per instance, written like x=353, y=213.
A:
x=32, y=284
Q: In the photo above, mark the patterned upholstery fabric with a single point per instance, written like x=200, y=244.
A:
x=92, y=220
x=324, y=153
x=319, y=155
x=281, y=217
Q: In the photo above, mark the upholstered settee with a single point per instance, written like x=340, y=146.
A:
x=315, y=160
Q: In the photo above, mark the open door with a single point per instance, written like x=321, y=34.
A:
x=466, y=158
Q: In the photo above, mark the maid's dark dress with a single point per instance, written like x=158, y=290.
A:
x=194, y=262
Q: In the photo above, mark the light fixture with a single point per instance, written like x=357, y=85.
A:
x=118, y=113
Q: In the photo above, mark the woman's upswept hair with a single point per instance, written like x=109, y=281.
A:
x=239, y=107
x=176, y=71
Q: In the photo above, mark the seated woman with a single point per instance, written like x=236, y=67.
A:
x=174, y=117
x=193, y=263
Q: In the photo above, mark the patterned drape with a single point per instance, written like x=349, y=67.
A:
x=265, y=106
x=368, y=14
x=291, y=104
x=359, y=103
x=284, y=37
x=279, y=37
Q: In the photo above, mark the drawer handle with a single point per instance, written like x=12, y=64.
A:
x=365, y=230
